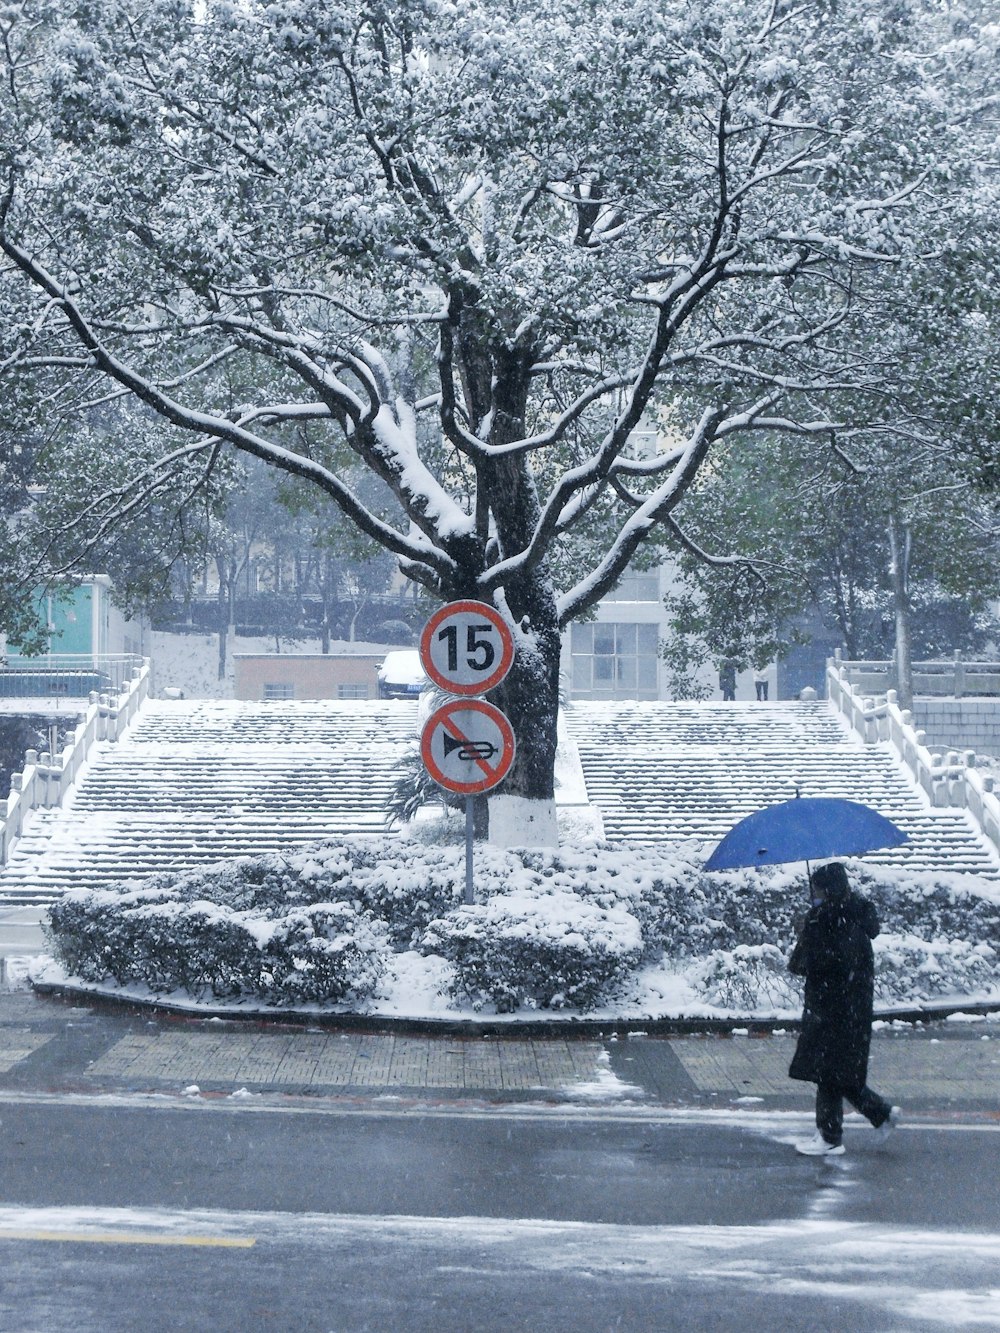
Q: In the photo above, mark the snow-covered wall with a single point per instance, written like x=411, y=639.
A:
x=960, y=724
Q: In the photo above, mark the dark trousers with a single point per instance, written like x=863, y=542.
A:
x=761, y=688
x=830, y=1108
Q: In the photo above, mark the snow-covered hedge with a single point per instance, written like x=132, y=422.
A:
x=321, y=952
x=542, y=950
x=912, y=969
x=746, y=979
x=550, y=929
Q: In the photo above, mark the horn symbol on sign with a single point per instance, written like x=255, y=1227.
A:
x=470, y=750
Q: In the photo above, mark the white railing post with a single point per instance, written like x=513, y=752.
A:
x=45, y=779
x=948, y=780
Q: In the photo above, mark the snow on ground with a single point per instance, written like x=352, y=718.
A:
x=417, y=986
x=414, y=990
x=569, y=907
x=604, y=1086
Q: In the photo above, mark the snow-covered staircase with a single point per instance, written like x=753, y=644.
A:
x=677, y=772
x=195, y=781
x=192, y=782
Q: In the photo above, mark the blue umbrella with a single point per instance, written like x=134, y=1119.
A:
x=808, y=828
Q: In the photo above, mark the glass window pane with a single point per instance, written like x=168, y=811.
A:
x=626, y=672
x=604, y=639
x=649, y=636
x=647, y=673
x=583, y=638
x=625, y=637
x=581, y=673
x=603, y=667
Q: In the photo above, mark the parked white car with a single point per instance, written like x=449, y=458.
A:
x=401, y=676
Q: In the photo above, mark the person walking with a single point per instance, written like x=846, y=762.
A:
x=834, y=954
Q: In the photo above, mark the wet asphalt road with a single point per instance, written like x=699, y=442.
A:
x=647, y=1185
x=138, y=1216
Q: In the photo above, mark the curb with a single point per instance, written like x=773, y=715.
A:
x=570, y=1028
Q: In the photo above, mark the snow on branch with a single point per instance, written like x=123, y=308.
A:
x=219, y=427
x=635, y=530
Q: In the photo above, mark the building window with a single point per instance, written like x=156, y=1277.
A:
x=637, y=586
x=279, y=689
x=352, y=691
x=614, y=660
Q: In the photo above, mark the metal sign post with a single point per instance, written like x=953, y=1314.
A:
x=470, y=828
x=467, y=745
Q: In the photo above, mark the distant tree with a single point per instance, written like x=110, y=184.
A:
x=19, y=619
x=882, y=559
x=336, y=561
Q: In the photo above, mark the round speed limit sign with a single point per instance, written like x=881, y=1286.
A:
x=466, y=648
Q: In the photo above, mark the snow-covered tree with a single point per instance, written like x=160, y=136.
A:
x=475, y=242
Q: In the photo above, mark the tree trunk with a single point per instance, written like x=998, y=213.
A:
x=523, y=812
x=223, y=616
x=899, y=545
x=326, y=592
x=227, y=609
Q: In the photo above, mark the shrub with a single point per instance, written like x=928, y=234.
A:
x=551, y=928
x=408, y=890
x=322, y=952
x=545, y=951
x=83, y=929
x=909, y=969
x=748, y=978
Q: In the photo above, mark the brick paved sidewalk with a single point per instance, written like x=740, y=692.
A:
x=50, y=1045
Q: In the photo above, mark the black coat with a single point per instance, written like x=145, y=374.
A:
x=834, y=954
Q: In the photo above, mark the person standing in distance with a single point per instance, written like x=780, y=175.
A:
x=727, y=679
x=834, y=954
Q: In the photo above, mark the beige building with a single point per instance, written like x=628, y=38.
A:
x=306, y=675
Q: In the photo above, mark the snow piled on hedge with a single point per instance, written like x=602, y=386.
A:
x=378, y=926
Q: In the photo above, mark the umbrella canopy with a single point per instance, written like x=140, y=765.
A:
x=807, y=828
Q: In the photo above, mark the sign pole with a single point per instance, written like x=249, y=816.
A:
x=469, y=895
x=467, y=745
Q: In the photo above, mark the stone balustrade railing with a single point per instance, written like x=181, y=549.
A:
x=46, y=778
x=951, y=677
x=949, y=778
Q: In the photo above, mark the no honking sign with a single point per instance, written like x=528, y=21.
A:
x=467, y=746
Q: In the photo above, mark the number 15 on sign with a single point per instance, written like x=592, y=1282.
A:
x=466, y=648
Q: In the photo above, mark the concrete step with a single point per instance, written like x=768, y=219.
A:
x=689, y=772
x=198, y=782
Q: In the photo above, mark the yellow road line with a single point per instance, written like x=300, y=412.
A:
x=129, y=1238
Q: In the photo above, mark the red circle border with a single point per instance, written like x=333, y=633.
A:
x=506, y=640
x=465, y=705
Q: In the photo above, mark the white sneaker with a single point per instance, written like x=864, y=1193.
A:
x=817, y=1146
x=883, y=1131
